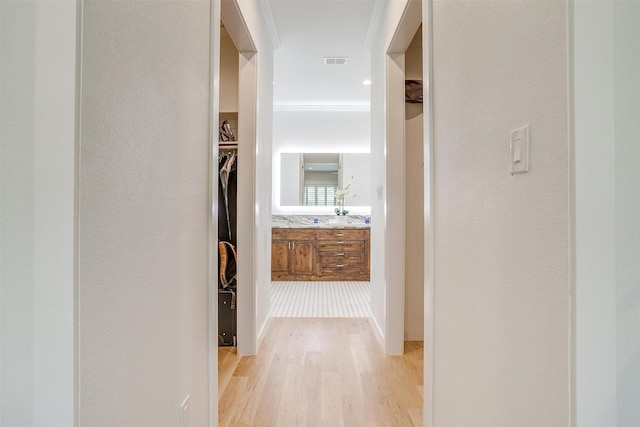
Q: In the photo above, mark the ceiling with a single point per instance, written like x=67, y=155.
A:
x=310, y=30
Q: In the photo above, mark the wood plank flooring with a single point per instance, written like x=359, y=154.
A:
x=320, y=372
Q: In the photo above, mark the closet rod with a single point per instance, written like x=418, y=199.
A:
x=228, y=146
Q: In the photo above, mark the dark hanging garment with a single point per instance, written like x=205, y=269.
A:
x=227, y=198
x=227, y=240
x=413, y=91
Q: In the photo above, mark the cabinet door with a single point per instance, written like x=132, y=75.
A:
x=303, y=260
x=280, y=256
x=367, y=256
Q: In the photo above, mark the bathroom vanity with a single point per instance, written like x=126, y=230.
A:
x=320, y=253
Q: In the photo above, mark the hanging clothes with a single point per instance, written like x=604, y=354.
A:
x=227, y=240
x=225, y=172
x=227, y=197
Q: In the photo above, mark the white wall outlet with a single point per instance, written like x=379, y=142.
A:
x=519, y=147
x=185, y=412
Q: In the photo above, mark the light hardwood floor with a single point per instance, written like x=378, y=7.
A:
x=320, y=372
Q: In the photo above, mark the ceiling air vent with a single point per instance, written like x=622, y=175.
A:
x=333, y=60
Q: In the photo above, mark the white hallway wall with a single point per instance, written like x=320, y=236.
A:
x=37, y=155
x=143, y=308
x=144, y=149
x=501, y=241
x=627, y=205
x=595, y=269
x=143, y=212
x=606, y=81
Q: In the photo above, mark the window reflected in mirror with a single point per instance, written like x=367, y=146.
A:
x=321, y=175
x=311, y=179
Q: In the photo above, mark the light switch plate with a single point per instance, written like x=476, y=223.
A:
x=519, y=150
x=379, y=191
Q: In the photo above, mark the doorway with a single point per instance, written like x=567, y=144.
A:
x=405, y=169
x=393, y=307
x=321, y=191
x=233, y=187
x=409, y=184
x=319, y=248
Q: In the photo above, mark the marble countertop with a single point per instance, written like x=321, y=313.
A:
x=324, y=221
x=327, y=225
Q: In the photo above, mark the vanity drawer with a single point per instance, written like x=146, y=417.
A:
x=341, y=257
x=341, y=246
x=292, y=234
x=340, y=234
x=341, y=269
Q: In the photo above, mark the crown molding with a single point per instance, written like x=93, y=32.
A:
x=270, y=21
x=302, y=108
x=373, y=24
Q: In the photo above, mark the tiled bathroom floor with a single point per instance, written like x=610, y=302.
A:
x=320, y=299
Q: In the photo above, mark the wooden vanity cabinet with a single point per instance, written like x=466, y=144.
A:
x=320, y=254
x=293, y=253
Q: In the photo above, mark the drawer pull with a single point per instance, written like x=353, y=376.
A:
x=340, y=234
x=340, y=254
x=339, y=265
x=340, y=243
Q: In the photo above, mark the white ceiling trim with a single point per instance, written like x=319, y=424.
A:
x=267, y=12
x=373, y=24
x=287, y=107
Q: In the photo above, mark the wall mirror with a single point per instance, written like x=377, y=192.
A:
x=311, y=179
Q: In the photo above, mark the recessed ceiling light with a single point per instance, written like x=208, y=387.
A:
x=366, y=82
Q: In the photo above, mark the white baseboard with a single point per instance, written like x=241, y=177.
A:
x=262, y=332
x=376, y=329
x=414, y=337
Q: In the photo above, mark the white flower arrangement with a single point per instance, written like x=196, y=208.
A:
x=340, y=194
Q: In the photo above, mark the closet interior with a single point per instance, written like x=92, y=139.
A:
x=227, y=191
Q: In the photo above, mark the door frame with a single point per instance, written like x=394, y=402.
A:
x=229, y=13
x=395, y=162
x=414, y=14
